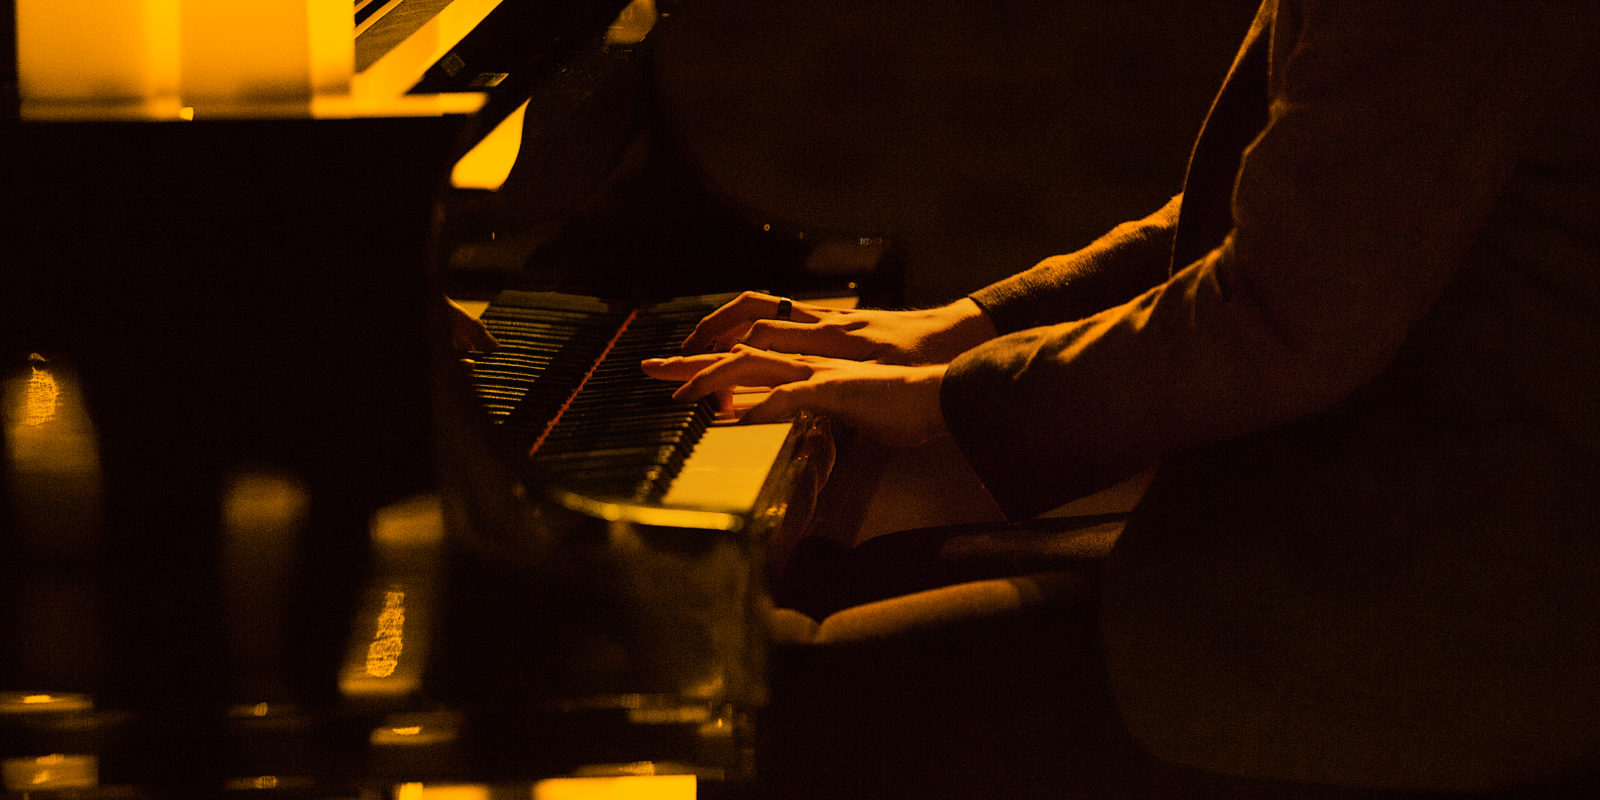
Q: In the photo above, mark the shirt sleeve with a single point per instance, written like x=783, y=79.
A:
x=1392, y=127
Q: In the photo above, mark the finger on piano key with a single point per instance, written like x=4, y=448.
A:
x=740, y=400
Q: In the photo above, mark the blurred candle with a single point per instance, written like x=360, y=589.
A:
x=119, y=56
x=269, y=59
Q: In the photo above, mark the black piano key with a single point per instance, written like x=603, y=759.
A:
x=621, y=434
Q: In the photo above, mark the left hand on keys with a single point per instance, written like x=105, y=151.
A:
x=467, y=333
x=894, y=404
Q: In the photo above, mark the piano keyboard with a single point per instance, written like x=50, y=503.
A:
x=647, y=538
x=564, y=387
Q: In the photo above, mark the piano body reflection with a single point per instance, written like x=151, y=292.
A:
x=238, y=292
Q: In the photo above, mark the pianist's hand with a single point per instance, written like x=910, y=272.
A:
x=925, y=336
x=892, y=403
x=467, y=333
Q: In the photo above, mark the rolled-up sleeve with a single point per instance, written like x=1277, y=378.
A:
x=1392, y=128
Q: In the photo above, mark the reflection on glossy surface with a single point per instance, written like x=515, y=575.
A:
x=417, y=522
x=50, y=773
x=42, y=397
x=264, y=514
x=487, y=165
x=24, y=703
x=641, y=786
x=391, y=636
x=383, y=655
x=417, y=791
x=628, y=787
x=47, y=427
x=279, y=784
x=633, y=24
x=48, y=761
x=417, y=730
x=50, y=455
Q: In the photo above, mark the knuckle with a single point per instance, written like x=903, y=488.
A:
x=749, y=302
x=782, y=396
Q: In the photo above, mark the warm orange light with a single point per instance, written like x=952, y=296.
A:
x=416, y=522
x=631, y=787
x=448, y=792
x=264, y=513
x=51, y=772
x=628, y=787
x=43, y=396
x=633, y=24
x=488, y=164
x=383, y=654
x=729, y=468
x=121, y=55
x=16, y=702
x=183, y=59
x=287, y=52
x=51, y=451
x=400, y=69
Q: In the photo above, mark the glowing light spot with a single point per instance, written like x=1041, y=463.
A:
x=643, y=786
x=20, y=703
x=633, y=24
x=42, y=398
x=383, y=655
x=49, y=773
x=488, y=164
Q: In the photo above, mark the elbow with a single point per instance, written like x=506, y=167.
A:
x=1307, y=354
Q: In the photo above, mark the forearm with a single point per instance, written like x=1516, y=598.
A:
x=1049, y=414
x=1115, y=268
x=962, y=325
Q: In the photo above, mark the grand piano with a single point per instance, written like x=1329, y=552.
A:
x=265, y=532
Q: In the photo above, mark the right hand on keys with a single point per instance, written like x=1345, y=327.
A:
x=931, y=336
x=897, y=405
